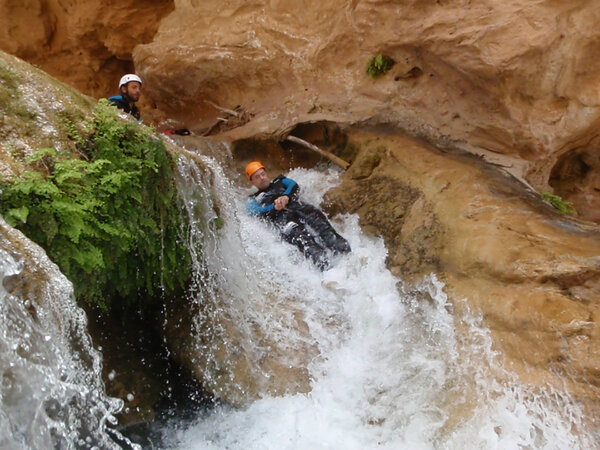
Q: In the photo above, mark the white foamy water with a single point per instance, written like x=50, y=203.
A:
x=393, y=372
x=51, y=391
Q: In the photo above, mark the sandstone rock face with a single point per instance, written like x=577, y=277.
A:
x=516, y=80
x=533, y=274
x=513, y=78
x=85, y=43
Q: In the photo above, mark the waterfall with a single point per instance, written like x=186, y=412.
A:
x=51, y=391
x=387, y=365
x=349, y=358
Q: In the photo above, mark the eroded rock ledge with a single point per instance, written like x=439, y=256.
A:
x=513, y=81
x=532, y=273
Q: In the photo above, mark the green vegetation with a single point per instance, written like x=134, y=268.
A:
x=111, y=217
x=560, y=204
x=36, y=111
x=8, y=79
x=379, y=65
x=11, y=103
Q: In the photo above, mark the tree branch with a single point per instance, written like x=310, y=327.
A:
x=330, y=156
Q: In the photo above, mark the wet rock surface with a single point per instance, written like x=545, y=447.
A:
x=218, y=347
x=532, y=273
x=139, y=369
x=515, y=82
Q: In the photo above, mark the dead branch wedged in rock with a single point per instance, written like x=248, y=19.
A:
x=231, y=118
x=330, y=156
x=231, y=112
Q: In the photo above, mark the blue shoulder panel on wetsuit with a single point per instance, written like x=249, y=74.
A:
x=289, y=185
x=254, y=207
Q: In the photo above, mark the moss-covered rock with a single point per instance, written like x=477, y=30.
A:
x=96, y=191
x=36, y=111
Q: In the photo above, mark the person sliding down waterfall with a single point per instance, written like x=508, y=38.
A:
x=299, y=223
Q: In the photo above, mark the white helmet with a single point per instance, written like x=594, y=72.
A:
x=129, y=77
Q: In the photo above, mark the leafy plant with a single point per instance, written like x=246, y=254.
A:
x=110, y=220
x=379, y=65
x=560, y=204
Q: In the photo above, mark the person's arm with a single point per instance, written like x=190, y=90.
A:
x=291, y=188
x=290, y=193
x=254, y=209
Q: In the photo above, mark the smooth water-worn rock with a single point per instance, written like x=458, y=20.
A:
x=218, y=347
x=515, y=81
x=516, y=78
x=532, y=273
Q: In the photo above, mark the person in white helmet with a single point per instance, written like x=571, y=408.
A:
x=130, y=87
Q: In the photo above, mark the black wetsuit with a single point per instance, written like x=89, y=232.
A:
x=123, y=104
x=299, y=223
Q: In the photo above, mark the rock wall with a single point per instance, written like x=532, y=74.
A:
x=515, y=81
x=85, y=43
x=532, y=274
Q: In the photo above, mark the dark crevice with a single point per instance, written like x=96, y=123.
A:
x=282, y=155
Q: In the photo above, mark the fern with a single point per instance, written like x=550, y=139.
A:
x=111, y=220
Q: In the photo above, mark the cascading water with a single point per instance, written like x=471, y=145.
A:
x=385, y=364
x=51, y=392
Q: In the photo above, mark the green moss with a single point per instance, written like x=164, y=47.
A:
x=10, y=98
x=558, y=203
x=379, y=65
x=218, y=223
x=9, y=79
x=110, y=219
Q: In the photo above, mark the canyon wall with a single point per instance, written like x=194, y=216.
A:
x=87, y=44
x=514, y=81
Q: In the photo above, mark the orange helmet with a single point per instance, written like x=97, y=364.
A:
x=252, y=168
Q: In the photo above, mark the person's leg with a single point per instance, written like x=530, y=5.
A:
x=296, y=234
x=315, y=218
